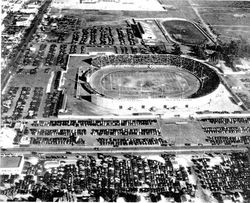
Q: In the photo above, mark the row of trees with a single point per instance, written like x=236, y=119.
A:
x=229, y=52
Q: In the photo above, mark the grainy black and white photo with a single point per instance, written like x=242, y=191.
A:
x=125, y=101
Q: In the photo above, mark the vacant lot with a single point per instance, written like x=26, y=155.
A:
x=229, y=19
x=180, y=9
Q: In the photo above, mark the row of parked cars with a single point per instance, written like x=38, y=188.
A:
x=96, y=122
x=228, y=140
x=57, y=141
x=35, y=103
x=116, y=142
x=61, y=58
x=40, y=55
x=236, y=120
x=226, y=129
x=7, y=99
x=21, y=102
x=52, y=103
x=126, y=131
x=51, y=55
x=57, y=132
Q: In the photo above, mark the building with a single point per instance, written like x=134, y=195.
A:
x=51, y=164
x=25, y=20
x=11, y=165
x=148, y=36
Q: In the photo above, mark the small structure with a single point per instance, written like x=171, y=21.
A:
x=51, y=164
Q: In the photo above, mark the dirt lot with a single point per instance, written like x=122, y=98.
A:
x=241, y=86
x=180, y=9
x=230, y=19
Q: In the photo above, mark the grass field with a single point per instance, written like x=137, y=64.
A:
x=94, y=17
x=229, y=19
x=184, y=32
x=144, y=82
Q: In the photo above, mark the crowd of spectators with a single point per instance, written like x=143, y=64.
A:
x=208, y=77
x=116, y=142
x=226, y=129
x=228, y=140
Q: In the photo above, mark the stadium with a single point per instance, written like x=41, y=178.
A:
x=148, y=81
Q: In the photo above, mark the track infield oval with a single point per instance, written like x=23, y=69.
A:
x=144, y=82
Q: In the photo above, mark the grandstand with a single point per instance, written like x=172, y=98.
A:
x=135, y=81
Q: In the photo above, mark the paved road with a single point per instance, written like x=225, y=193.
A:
x=11, y=68
x=121, y=150
x=233, y=26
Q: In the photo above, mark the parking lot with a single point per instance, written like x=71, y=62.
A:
x=227, y=131
x=22, y=102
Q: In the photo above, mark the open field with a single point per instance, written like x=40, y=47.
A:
x=229, y=19
x=181, y=9
x=242, y=81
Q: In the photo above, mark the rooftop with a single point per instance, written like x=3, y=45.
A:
x=10, y=161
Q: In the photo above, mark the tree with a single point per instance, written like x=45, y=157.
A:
x=199, y=52
x=176, y=49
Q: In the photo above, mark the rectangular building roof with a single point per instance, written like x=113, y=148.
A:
x=10, y=161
